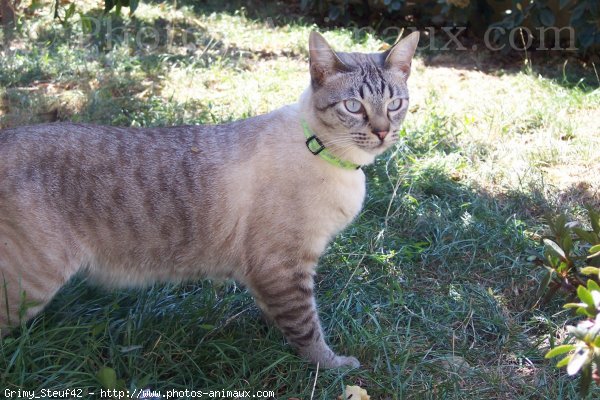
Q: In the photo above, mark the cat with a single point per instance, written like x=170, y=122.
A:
x=257, y=200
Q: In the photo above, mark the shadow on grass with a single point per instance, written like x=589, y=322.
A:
x=120, y=91
x=459, y=256
x=275, y=13
x=566, y=69
x=108, y=77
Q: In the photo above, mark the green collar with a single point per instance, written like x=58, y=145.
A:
x=317, y=147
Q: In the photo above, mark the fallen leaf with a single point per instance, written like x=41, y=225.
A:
x=355, y=393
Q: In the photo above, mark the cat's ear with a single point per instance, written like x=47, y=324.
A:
x=400, y=56
x=323, y=60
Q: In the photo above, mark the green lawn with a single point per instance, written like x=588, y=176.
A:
x=430, y=287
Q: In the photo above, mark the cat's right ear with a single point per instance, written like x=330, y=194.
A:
x=323, y=60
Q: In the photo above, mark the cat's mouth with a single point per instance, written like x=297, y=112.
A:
x=363, y=142
x=376, y=147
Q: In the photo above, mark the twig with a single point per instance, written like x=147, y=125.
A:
x=354, y=272
x=596, y=72
x=527, y=60
x=56, y=5
x=312, y=394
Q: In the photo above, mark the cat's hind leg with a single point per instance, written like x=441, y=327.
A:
x=285, y=294
x=31, y=272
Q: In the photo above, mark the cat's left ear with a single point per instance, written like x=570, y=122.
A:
x=400, y=56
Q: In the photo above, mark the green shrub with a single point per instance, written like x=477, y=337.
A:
x=583, y=16
x=486, y=19
x=496, y=21
x=572, y=255
x=584, y=354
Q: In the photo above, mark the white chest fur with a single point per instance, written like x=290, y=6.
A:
x=335, y=199
x=342, y=196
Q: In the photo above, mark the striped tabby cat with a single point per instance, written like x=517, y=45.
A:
x=256, y=200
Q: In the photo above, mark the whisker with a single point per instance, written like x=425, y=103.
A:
x=341, y=140
x=345, y=141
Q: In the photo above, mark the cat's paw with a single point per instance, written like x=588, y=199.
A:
x=342, y=362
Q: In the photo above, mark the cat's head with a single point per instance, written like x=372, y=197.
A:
x=358, y=101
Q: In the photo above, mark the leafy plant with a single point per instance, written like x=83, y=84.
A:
x=571, y=254
x=584, y=17
x=70, y=9
x=481, y=17
x=352, y=11
x=118, y=4
x=583, y=355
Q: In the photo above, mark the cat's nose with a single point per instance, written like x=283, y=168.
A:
x=380, y=134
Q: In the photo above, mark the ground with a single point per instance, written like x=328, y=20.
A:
x=431, y=287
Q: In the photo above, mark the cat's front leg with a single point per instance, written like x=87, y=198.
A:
x=286, y=296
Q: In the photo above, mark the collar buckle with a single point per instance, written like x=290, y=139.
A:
x=316, y=147
x=312, y=149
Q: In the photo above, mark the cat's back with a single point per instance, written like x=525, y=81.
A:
x=38, y=153
x=47, y=145
x=129, y=196
x=55, y=159
x=90, y=142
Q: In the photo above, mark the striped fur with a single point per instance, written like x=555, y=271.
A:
x=245, y=200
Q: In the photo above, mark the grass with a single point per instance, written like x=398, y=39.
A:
x=430, y=287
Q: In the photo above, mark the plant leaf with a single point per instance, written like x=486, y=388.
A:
x=557, y=225
x=592, y=285
x=564, y=361
x=575, y=305
x=589, y=270
x=133, y=5
x=562, y=267
x=546, y=279
x=588, y=236
x=553, y=261
x=594, y=251
x=107, y=377
x=567, y=244
x=70, y=11
x=108, y=5
x=558, y=350
x=555, y=249
x=86, y=23
x=583, y=311
x=593, y=255
x=585, y=295
x=547, y=17
x=592, y=214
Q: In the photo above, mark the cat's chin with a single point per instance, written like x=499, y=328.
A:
x=365, y=155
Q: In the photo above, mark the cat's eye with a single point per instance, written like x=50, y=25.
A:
x=395, y=104
x=354, y=106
